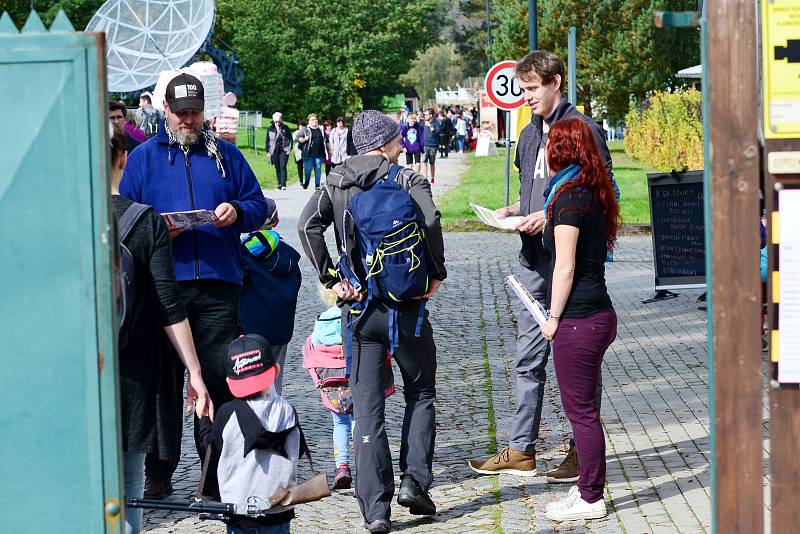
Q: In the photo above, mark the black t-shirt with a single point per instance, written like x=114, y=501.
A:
x=588, y=295
x=279, y=141
x=156, y=303
x=316, y=143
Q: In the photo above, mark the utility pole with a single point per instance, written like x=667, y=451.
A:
x=489, y=62
x=533, y=38
x=572, y=62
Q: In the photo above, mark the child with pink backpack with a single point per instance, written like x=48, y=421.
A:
x=324, y=358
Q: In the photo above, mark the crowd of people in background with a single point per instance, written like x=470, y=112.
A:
x=318, y=147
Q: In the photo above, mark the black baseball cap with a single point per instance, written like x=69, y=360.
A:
x=250, y=365
x=185, y=91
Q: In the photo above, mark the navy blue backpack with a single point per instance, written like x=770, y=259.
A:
x=390, y=240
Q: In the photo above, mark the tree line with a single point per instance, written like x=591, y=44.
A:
x=335, y=56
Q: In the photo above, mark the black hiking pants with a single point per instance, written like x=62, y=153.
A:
x=416, y=358
x=280, y=160
x=212, y=307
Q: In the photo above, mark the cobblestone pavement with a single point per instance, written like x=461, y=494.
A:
x=655, y=408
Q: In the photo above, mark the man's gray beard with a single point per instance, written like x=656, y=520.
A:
x=187, y=138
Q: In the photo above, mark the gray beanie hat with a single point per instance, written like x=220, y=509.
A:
x=372, y=129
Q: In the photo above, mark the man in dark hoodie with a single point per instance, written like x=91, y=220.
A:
x=377, y=139
x=541, y=77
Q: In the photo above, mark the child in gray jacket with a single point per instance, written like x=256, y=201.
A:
x=256, y=438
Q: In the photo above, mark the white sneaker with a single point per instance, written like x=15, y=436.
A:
x=578, y=509
x=565, y=502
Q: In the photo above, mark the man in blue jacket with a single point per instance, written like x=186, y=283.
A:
x=184, y=167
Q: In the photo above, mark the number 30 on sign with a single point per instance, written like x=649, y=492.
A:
x=502, y=87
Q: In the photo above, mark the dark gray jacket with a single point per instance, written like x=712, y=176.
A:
x=327, y=206
x=531, y=196
x=272, y=136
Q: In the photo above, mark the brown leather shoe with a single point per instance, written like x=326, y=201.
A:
x=509, y=461
x=567, y=472
x=157, y=487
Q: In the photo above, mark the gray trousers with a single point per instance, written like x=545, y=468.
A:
x=416, y=358
x=530, y=375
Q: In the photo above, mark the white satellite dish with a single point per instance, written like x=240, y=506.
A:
x=145, y=37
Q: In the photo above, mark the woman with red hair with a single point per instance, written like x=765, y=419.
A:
x=581, y=223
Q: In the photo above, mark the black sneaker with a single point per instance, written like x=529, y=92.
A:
x=412, y=497
x=379, y=525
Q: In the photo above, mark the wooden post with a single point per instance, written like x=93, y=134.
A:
x=735, y=300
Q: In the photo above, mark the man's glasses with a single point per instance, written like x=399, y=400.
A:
x=116, y=118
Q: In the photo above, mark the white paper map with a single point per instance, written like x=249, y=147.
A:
x=184, y=219
x=534, y=306
x=490, y=218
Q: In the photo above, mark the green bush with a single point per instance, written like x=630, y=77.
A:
x=668, y=132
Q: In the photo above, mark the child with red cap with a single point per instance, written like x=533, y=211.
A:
x=256, y=437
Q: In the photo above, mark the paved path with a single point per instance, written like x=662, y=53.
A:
x=655, y=408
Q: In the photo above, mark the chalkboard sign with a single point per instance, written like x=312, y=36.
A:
x=678, y=229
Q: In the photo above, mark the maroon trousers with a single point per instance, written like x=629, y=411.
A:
x=578, y=349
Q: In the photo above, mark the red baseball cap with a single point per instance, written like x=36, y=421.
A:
x=250, y=365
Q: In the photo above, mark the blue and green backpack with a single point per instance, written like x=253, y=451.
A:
x=390, y=240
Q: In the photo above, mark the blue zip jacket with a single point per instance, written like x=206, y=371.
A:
x=181, y=184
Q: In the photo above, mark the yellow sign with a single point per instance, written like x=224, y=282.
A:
x=523, y=119
x=780, y=42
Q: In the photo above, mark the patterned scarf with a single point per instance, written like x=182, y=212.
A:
x=210, y=141
x=563, y=176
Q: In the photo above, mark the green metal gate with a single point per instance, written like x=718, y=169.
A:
x=59, y=458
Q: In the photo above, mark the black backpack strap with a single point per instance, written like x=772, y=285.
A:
x=203, y=474
x=266, y=244
x=304, y=450
x=129, y=218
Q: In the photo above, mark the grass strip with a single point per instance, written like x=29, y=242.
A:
x=483, y=183
x=491, y=430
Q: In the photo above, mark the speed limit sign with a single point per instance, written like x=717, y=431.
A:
x=502, y=87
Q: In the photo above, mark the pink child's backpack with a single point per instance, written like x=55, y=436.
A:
x=326, y=365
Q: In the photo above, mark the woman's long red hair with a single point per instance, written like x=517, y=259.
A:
x=571, y=141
